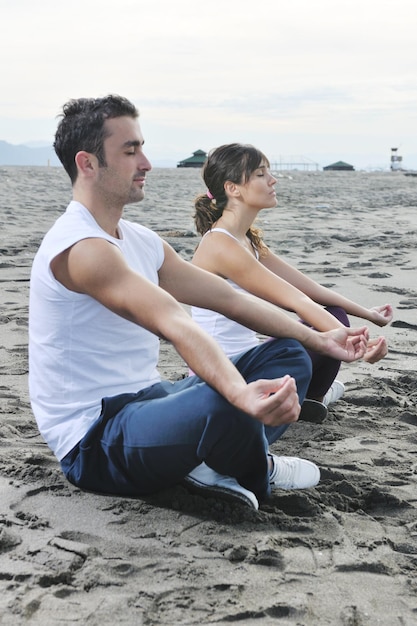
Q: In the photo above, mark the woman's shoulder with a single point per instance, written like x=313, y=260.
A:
x=220, y=230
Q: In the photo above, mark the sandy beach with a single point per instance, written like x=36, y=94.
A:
x=344, y=553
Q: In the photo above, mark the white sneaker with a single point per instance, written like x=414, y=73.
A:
x=290, y=472
x=203, y=479
x=335, y=392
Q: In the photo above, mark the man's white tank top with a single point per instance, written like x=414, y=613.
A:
x=79, y=351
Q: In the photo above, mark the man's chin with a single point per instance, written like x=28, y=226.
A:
x=138, y=196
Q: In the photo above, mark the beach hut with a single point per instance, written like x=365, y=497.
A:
x=197, y=160
x=340, y=166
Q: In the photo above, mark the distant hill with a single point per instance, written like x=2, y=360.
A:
x=26, y=155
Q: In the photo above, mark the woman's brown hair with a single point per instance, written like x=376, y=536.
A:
x=232, y=162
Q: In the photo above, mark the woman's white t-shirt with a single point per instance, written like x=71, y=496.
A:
x=231, y=336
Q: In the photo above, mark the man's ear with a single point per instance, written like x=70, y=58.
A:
x=86, y=163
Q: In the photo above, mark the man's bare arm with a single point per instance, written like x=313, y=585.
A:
x=96, y=268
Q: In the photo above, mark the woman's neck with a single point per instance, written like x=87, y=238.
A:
x=236, y=220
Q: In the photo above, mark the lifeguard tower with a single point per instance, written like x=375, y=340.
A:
x=396, y=160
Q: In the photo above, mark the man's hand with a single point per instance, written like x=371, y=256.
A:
x=272, y=402
x=344, y=344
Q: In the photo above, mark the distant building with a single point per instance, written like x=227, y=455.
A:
x=396, y=160
x=197, y=160
x=340, y=166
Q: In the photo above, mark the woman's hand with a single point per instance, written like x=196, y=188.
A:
x=376, y=350
x=381, y=315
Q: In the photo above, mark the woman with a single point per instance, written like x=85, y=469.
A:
x=240, y=185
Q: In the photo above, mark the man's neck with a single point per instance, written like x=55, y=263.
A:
x=106, y=217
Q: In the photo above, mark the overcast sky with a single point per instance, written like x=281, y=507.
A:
x=324, y=79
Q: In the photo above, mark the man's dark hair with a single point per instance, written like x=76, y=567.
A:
x=82, y=128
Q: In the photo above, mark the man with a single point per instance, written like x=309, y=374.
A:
x=103, y=291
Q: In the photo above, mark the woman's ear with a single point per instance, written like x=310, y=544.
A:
x=231, y=189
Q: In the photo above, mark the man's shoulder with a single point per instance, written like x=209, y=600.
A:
x=74, y=225
x=141, y=242
x=128, y=226
x=74, y=216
